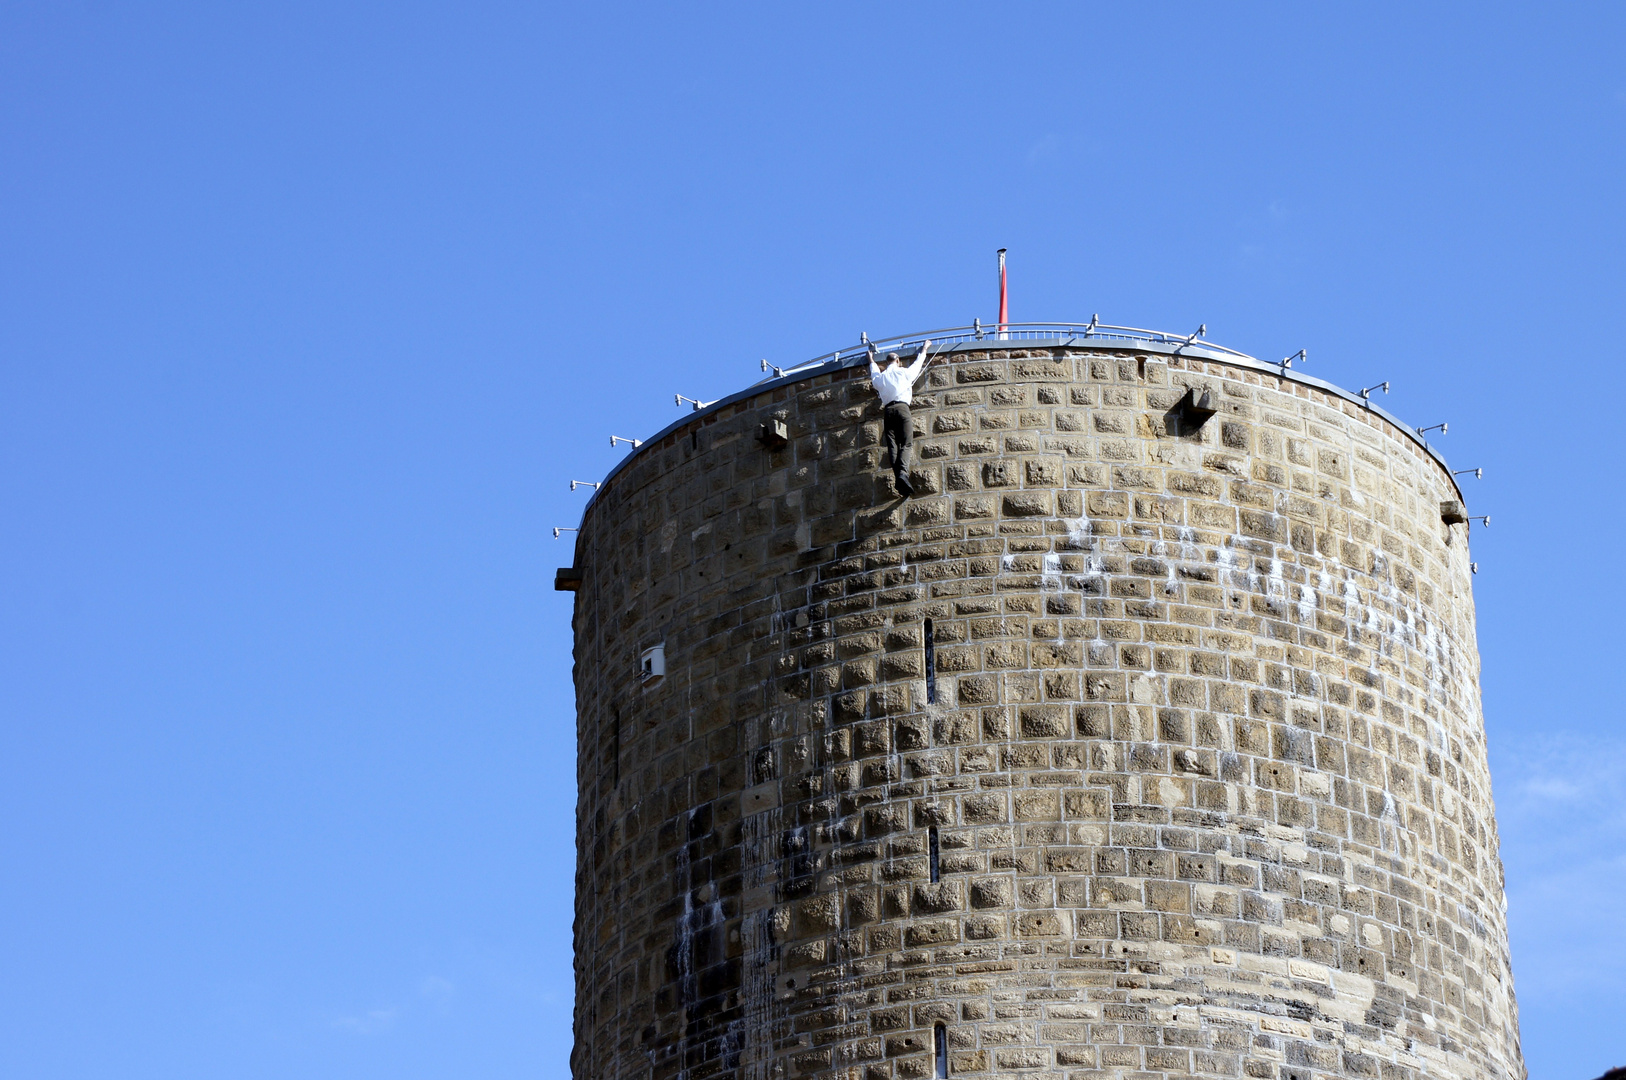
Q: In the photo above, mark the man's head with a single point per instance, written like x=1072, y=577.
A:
x=891, y=358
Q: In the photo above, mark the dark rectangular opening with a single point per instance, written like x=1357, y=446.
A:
x=615, y=744
x=931, y=665
x=931, y=843
x=940, y=1038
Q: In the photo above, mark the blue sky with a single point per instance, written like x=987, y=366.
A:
x=309, y=312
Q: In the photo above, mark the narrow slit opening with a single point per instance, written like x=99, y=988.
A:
x=931, y=843
x=615, y=745
x=940, y=1037
x=931, y=665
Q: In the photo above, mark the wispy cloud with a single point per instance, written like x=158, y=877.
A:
x=434, y=997
x=372, y=1022
x=438, y=992
x=1044, y=148
x=1561, y=774
x=1562, y=816
x=1267, y=236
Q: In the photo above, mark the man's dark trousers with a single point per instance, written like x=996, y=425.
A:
x=899, y=429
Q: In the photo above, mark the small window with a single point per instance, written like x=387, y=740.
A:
x=940, y=1037
x=931, y=843
x=653, y=663
x=931, y=665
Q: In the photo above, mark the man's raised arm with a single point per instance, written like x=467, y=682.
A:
x=874, y=368
x=919, y=365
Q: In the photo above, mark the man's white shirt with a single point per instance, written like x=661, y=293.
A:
x=896, y=383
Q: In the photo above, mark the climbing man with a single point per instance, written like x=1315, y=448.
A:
x=896, y=385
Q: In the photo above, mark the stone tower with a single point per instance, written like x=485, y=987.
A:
x=1144, y=741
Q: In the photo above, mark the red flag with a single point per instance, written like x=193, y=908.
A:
x=1002, y=310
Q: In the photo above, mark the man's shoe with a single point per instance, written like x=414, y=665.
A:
x=905, y=488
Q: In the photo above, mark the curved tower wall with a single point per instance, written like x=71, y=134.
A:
x=1202, y=756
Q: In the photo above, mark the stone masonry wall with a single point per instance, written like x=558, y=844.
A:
x=1200, y=762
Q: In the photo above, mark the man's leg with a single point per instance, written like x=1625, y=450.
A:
x=889, y=433
x=900, y=438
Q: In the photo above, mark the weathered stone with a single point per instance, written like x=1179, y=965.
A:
x=1192, y=781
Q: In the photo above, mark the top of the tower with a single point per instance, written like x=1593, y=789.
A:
x=1097, y=335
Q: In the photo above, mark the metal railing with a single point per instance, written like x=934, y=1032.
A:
x=995, y=335
x=1057, y=334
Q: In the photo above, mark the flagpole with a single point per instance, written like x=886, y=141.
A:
x=1003, y=312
